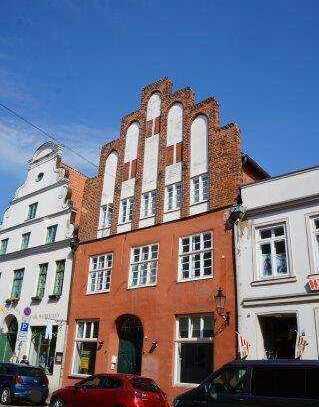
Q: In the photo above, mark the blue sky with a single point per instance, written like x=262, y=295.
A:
x=76, y=66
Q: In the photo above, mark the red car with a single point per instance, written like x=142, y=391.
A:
x=111, y=390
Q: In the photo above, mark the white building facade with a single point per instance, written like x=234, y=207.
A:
x=277, y=258
x=36, y=254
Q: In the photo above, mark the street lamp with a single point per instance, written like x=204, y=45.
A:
x=220, y=301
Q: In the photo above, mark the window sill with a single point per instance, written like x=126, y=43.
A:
x=97, y=292
x=12, y=301
x=36, y=298
x=147, y=217
x=54, y=297
x=313, y=275
x=142, y=286
x=191, y=280
x=124, y=223
x=198, y=203
x=270, y=281
x=172, y=210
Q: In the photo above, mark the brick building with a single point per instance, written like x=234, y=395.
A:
x=154, y=247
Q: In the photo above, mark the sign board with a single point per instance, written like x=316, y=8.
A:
x=23, y=332
x=84, y=363
x=313, y=283
x=24, y=327
x=58, y=358
x=27, y=311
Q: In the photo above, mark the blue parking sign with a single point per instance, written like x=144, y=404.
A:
x=24, y=327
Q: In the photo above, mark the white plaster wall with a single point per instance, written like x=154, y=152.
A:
x=126, y=227
x=144, y=223
x=173, y=173
x=153, y=107
x=175, y=125
x=109, y=179
x=128, y=187
x=131, y=142
x=286, y=188
x=150, y=163
x=199, y=146
x=198, y=208
x=171, y=215
x=301, y=256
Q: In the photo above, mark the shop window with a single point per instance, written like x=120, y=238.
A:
x=85, y=347
x=194, y=348
x=17, y=283
x=42, y=351
x=144, y=263
x=272, y=256
x=51, y=233
x=195, y=257
x=100, y=273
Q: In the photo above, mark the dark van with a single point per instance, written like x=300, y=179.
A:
x=22, y=383
x=257, y=383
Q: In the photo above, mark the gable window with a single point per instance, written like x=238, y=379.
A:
x=200, y=189
x=148, y=204
x=51, y=233
x=194, y=348
x=59, y=276
x=100, y=273
x=25, y=240
x=126, y=210
x=32, y=211
x=173, y=198
x=144, y=263
x=4, y=246
x=195, y=256
x=85, y=347
x=42, y=280
x=106, y=215
x=272, y=251
x=40, y=177
x=17, y=283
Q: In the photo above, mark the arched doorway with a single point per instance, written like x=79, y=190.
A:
x=130, y=334
x=8, y=338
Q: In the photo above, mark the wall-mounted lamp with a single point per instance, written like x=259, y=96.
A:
x=220, y=301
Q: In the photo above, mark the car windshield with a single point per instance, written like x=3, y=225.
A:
x=145, y=385
x=30, y=371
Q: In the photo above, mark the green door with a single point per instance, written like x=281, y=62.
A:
x=130, y=333
x=7, y=345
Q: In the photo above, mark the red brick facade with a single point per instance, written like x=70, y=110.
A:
x=158, y=306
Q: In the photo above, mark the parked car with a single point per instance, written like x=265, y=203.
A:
x=22, y=383
x=257, y=384
x=111, y=390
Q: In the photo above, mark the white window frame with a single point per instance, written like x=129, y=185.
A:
x=4, y=246
x=191, y=253
x=25, y=240
x=259, y=242
x=173, y=197
x=32, y=211
x=136, y=266
x=148, y=204
x=189, y=339
x=315, y=243
x=127, y=213
x=103, y=274
x=106, y=216
x=78, y=339
x=203, y=189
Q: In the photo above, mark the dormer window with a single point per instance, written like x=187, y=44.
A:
x=40, y=176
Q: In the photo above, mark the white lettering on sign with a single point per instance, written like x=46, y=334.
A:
x=313, y=283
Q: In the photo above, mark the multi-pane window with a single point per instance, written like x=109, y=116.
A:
x=200, y=189
x=126, y=210
x=148, y=204
x=32, y=210
x=17, y=283
x=100, y=273
x=42, y=280
x=59, y=276
x=173, y=199
x=144, y=263
x=106, y=215
x=194, y=348
x=4, y=246
x=195, y=256
x=25, y=239
x=272, y=251
x=85, y=348
x=51, y=233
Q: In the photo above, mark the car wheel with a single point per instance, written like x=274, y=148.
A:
x=5, y=396
x=57, y=403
